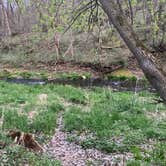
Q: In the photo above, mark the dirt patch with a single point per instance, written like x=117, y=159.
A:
x=71, y=154
x=160, y=115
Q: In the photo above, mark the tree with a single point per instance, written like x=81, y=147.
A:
x=6, y=20
x=147, y=60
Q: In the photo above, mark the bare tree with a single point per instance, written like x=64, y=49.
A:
x=6, y=24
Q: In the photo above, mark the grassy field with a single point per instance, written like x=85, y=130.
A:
x=112, y=122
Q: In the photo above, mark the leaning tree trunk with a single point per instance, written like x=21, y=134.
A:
x=147, y=61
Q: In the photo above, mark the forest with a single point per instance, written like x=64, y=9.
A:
x=83, y=83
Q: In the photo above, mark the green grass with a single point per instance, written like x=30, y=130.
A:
x=18, y=155
x=16, y=103
x=12, y=120
x=156, y=156
x=71, y=94
x=116, y=122
x=45, y=121
x=119, y=121
x=74, y=76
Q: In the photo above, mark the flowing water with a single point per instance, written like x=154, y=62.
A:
x=127, y=85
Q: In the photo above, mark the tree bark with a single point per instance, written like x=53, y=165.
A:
x=6, y=20
x=147, y=61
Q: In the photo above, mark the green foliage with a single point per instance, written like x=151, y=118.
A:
x=75, y=95
x=121, y=78
x=5, y=74
x=74, y=76
x=121, y=75
x=26, y=75
x=45, y=121
x=104, y=145
x=17, y=155
x=16, y=102
x=119, y=115
x=43, y=75
x=133, y=163
x=22, y=100
x=12, y=120
x=155, y=156
x=115, y=122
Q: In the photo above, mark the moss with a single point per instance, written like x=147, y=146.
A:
x=121, y=75
x=74, y=76
x=26, y=75
x=43, y=75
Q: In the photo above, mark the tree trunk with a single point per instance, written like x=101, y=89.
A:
x=147, y=61
x=6, y=20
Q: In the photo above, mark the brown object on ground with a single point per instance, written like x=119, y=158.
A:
x=2, y=145
x=25, y=139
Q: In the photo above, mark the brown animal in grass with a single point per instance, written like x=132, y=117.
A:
x=25, y=139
